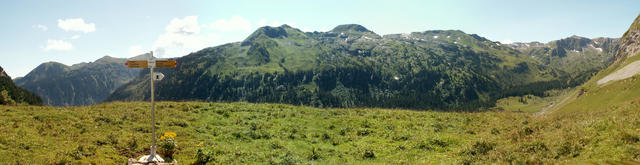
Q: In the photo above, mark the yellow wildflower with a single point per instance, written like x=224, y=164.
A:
x=170, y=134
x=200, y=144
x=162, y=138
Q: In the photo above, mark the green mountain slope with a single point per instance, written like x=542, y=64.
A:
x=351, y=66
x=11, y=94
x=79, y=84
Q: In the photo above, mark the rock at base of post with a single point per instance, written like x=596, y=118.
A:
x=145, y=160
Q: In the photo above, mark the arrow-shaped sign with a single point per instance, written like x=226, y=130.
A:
x=157, y=76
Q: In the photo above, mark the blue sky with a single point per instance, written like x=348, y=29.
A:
x=71, y=32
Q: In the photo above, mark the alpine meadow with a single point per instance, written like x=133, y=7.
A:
x=346, y=88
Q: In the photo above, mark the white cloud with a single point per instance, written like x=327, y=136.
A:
x=75, y=37
x=265, y=22
x=506, y=41
x=76, y=24
x=41, y=27
x=136, y=50
x=235, y=23
x=182, y=36
x=187, y=25
x=58, y=45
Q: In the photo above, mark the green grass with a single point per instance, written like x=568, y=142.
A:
x=245, y=133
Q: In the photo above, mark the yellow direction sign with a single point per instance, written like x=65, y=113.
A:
x=137, y=64
x=151, y=63
x=166, y=63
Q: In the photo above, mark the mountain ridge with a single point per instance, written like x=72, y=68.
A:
x=359, y=68
x=78, y=84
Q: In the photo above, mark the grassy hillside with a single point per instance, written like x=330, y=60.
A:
x=245, y=133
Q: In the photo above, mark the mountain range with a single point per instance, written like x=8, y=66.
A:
x=80, y=84
x=351, y=66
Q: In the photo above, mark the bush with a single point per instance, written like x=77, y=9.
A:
x=479, y=148
x=368, y=154
x=628, y=138
x=315, y=154
x=364, y=132
x=204, y=153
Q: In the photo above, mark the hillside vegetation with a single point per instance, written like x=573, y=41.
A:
x=247, y=133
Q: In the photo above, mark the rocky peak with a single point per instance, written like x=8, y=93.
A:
x=630, y=42
x=574, y=42
x=2, y=73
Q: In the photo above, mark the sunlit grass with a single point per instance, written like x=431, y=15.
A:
x=246, y=133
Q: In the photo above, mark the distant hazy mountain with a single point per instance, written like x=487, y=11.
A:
x=12, y=94
x=576, y=56
x=351, y=66
x=79, y=84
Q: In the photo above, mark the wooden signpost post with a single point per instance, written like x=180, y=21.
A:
x=151, y=63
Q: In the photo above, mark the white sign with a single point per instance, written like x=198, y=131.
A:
x=158, y=76
x=151, y=63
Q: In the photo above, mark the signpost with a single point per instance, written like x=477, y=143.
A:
x=152, y=63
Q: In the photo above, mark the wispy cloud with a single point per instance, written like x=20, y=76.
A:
x=58, y=45
x=181, y=37
x=235, y=23
x=76, y=24
x=41, y=27
x=136, y=50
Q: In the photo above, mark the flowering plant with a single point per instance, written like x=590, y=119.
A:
x=168, y=145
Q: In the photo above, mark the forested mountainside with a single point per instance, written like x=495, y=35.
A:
x=10, y=94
